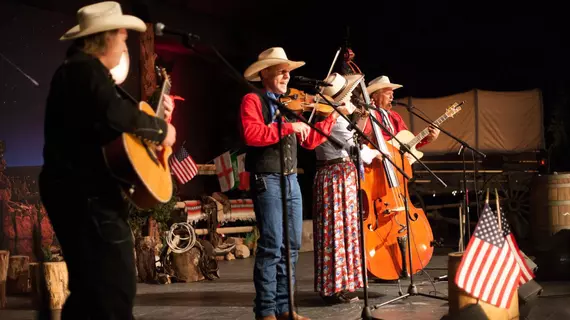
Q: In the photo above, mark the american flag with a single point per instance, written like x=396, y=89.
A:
x=526, y=272
x=489, y=270
x=183, y=166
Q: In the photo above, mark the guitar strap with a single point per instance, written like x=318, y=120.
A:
x=126, y=95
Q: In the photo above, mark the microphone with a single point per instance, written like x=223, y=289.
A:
x=160, y=29
x=364, y=104
x=311, y=82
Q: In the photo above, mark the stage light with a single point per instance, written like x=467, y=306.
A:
x=121, y=71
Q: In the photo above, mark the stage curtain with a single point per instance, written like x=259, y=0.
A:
x=510, y=121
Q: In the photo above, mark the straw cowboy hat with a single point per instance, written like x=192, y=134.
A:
x=341, y=85
x=381, y=83
x=102, y=16
x=268, y=58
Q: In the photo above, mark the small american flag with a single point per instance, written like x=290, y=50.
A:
x=489, y=270
x=526, y=272
x=183, y=166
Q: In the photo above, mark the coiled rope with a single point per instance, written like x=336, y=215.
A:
x=173, y=240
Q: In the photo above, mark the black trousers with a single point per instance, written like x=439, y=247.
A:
x=97, y=246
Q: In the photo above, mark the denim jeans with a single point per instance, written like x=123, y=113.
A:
x=270, y=270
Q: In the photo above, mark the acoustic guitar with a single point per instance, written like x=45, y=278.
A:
x=142, y=170
x=408, y=138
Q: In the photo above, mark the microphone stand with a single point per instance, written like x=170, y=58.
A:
x=189, y=42
x=355, y=154
x=464, y=145
x=412, y=289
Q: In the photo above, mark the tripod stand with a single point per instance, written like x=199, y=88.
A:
x=464, y=233
x=412, y=289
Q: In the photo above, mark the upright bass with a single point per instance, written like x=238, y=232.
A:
x=385, y=235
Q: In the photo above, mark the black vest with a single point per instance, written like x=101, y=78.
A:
x=266, y=159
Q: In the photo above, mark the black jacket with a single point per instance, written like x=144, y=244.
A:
x=84, y=112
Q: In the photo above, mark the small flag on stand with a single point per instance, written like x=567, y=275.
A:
x=225, y=171
x=526, y=272
x=489, y=270
x=183, y=166
x=242, y=174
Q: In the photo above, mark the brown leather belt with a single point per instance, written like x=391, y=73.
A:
x=323, y=163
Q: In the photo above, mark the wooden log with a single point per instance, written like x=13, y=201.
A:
x=56, y=277
x=226, y=230
x=145, y=252
x=4, y=262
x=56, y=283
x=18, y=275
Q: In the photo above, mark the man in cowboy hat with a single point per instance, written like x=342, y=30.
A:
x=381, y=91
x=260, y=133
x=84, y=112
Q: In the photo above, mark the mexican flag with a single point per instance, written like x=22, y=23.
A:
x=242, y=175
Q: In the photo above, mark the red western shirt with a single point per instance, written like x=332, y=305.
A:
x=397, y=123
x=258, y=134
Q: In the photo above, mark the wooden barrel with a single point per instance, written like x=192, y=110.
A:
x=550, y=207
x=464, y=306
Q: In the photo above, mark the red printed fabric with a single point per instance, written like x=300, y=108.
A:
x=336, y=230
x=257, y=134
x=398, y=124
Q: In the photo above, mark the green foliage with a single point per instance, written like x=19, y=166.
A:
x=161, y=214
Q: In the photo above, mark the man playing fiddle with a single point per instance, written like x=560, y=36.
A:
x=261, y=135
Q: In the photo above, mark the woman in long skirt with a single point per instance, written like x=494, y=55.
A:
x=336, y=232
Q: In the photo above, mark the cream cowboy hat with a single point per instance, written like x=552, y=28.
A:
x=341, y=85
x=102, y=16
x=268, y=58
x=381, y=83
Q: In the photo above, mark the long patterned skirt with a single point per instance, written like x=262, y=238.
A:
x=336, y=230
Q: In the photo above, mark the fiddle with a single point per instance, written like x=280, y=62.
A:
x=299, y=101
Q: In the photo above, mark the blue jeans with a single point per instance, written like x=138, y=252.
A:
x=270, y=270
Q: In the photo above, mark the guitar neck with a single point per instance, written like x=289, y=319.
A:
x=425, y=131
x=160, y=105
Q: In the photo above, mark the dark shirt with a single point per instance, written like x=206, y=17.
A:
x=84, y=112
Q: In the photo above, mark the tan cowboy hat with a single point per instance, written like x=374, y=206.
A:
x=341, y=85
x=381, y=83
x=268, y=58
x=102, y=16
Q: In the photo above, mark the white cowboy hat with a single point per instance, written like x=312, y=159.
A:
x=381, y=83
x=341, y=85
x=268, y=58
x=102, y=16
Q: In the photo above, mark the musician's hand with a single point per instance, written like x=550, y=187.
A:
x=433, y=133
x=170, y=137
x=168, y=106
x=302, y=129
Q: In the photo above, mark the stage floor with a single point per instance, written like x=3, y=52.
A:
x=231, y=297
